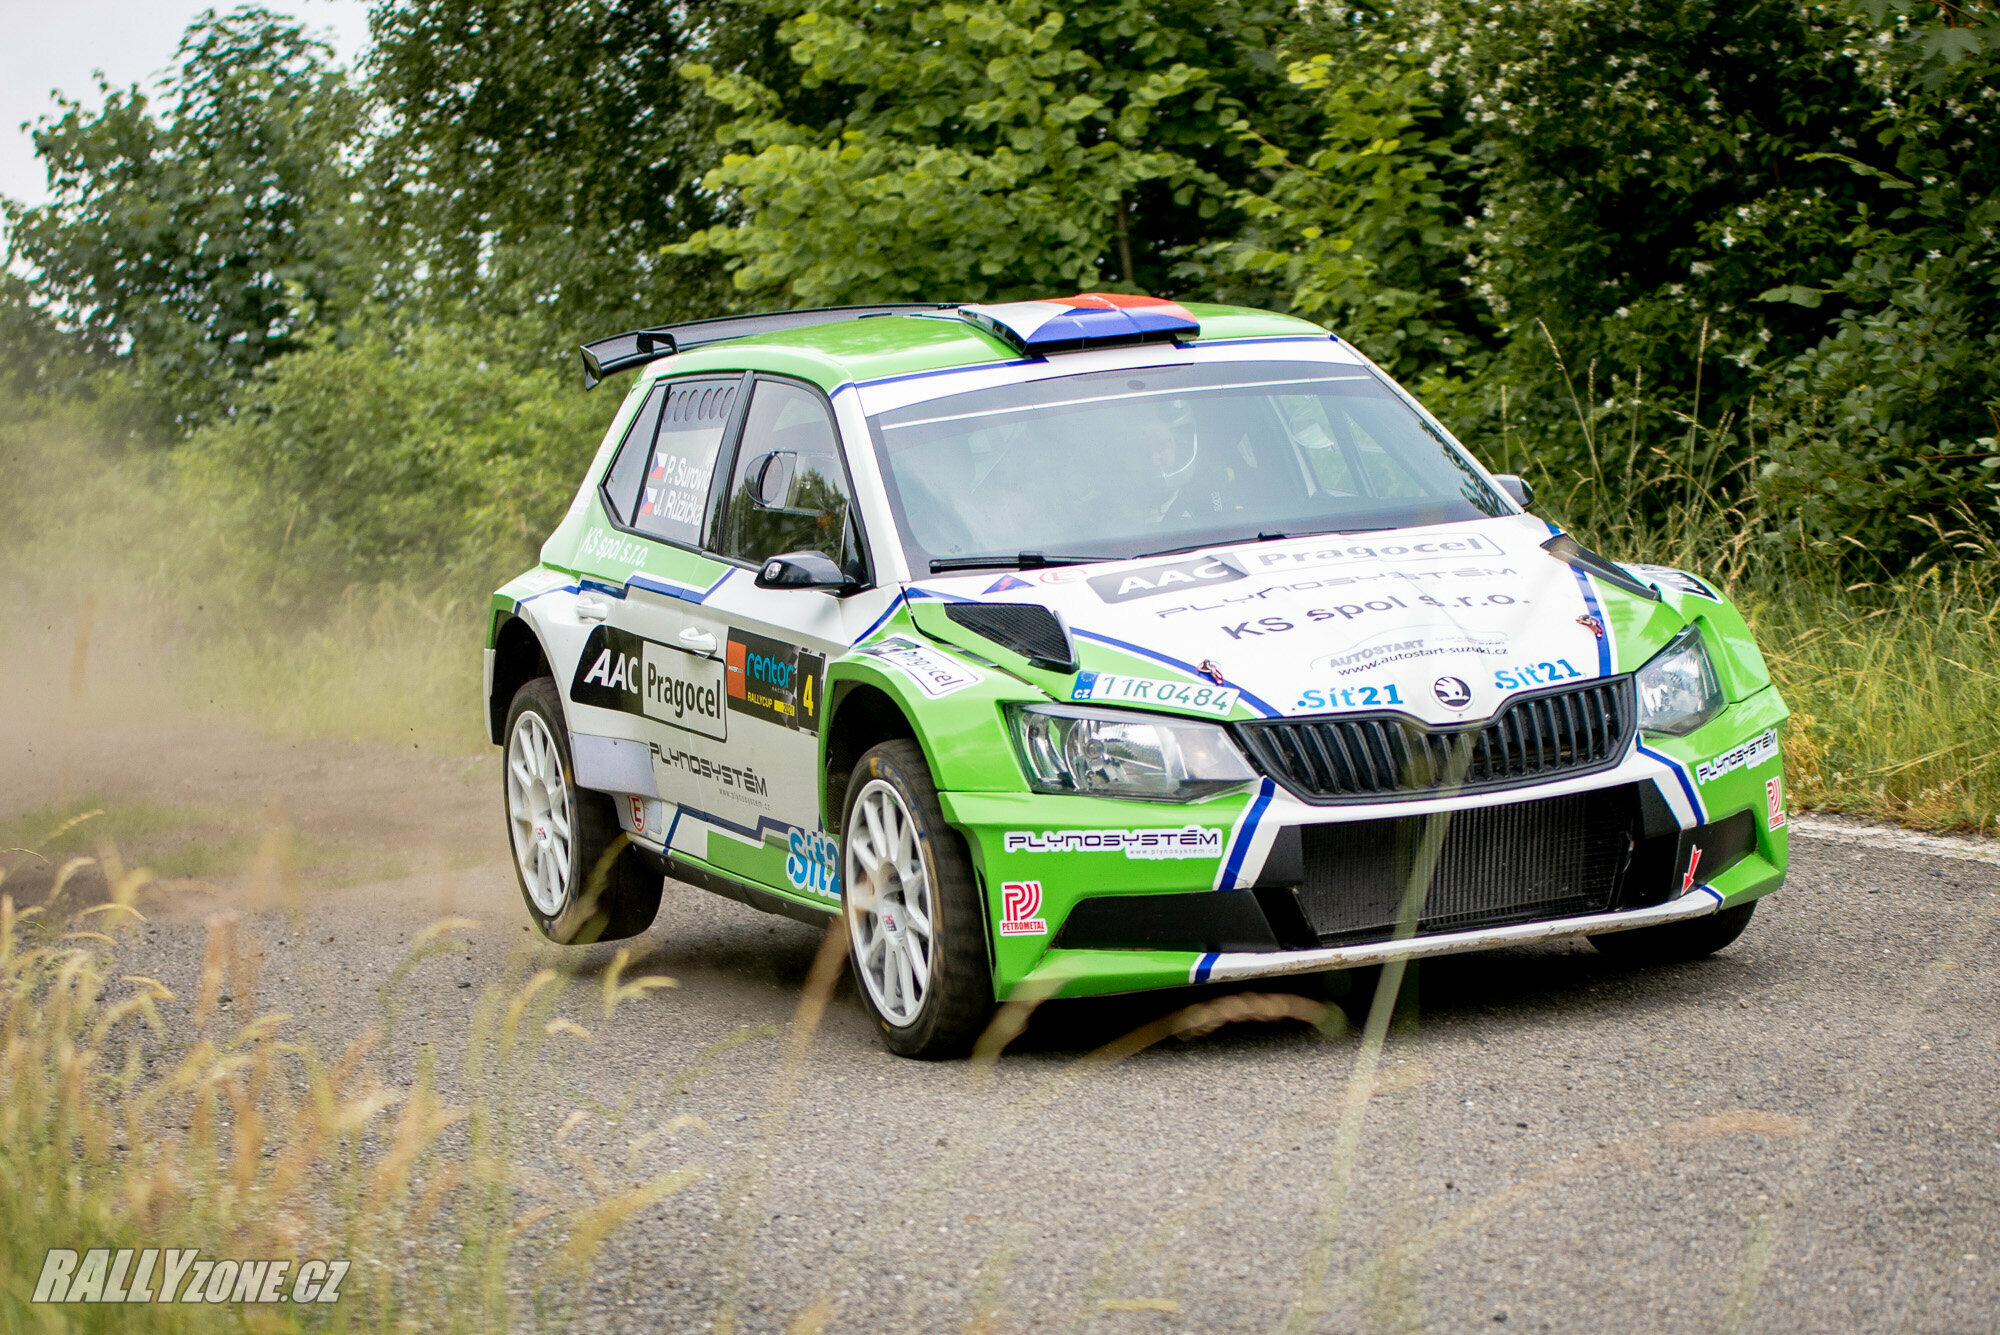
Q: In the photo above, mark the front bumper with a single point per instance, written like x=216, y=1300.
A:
x=1090, y=897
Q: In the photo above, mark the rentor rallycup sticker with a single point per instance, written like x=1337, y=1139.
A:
x=1190, y=841
x=775, y=681
x=1216, y=700
x=934, y=673
x=1747, y=756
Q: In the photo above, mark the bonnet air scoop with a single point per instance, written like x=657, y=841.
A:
x=1028, y=629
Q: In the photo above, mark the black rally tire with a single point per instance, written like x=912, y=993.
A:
x=959, y=1003
x=1677, y=942
x=614, y=889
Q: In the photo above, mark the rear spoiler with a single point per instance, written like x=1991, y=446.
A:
x=621, y=352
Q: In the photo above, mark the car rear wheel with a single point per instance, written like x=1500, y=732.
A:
x=916, y=923
x=1677, y=942
x=581, y=875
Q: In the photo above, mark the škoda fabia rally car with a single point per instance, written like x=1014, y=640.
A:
x=1101, y=644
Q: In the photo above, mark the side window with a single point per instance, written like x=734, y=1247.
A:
x=621, y=484
x=673, y=497
x=788, y=493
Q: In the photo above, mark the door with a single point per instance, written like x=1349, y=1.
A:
x=787, y=491
x=650, y=683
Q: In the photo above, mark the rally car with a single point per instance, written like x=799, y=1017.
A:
x=1100, y=644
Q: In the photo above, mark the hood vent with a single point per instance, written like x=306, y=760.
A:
x=1029, y=629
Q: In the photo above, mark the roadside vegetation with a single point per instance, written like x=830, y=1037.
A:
x=287, y=384
x=287, y=355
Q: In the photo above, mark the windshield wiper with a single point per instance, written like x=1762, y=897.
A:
x=1018, y=561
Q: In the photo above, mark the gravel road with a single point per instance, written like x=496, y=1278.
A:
x=1801, y=1134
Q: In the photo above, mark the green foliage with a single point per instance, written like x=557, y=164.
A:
x=1758, y=237
x=990, y=150
x=540, y=158
x=188, y=248
x=403, y=454
x=1361, y=233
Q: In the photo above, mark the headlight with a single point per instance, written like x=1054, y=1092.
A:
x=1678, y=689
x=1111, y=753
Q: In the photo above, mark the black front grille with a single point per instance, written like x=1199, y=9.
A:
x=1552, y=734
x=1521, y=862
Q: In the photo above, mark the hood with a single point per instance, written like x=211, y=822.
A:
x=1442, y=623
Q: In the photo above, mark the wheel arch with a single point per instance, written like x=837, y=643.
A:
x=861, y=716
x=518, y=658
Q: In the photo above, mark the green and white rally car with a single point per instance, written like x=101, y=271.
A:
x=1102, y=644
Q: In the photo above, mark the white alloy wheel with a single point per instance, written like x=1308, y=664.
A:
x=538, y=814
x=889, y=905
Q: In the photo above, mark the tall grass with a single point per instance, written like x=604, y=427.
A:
x=1892, y=672
x=132, y=1118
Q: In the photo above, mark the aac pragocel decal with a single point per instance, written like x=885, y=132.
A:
x=771, y=680
x=622, y=671
x=610, y=672
x=1174, y=577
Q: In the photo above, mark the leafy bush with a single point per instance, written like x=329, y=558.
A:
x=424, y=453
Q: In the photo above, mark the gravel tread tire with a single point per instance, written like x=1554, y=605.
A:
x=1677, y=942
x=614, y=886
x=959, y=999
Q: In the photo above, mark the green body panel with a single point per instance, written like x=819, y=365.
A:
x=985, y=819
x=762, y=866
x=1097, y=973
x=963, y=735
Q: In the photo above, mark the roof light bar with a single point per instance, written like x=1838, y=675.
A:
x=1087, y=320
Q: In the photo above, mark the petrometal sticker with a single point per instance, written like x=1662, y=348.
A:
x=1146, y=581
x=1774, y=803
x=771, y=680
x=622, y=671
x=1216, y=700
x=1747, y=756
x=1190, y=841
x=935, y=674
x=1020, y=901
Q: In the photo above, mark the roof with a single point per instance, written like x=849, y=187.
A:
x=882, y=346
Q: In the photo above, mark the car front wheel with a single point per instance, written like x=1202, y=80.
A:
x=581, y=875
x=916, y=924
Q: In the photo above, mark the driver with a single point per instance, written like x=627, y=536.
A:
x=1161, y=460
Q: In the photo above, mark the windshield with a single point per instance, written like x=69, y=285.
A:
x=1131, y=463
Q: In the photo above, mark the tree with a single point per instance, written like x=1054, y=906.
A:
x=540, y=157
x=994, y=150
x=189, y=248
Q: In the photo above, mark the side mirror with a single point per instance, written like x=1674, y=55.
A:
x=1523, y=494
x=772, y=479
x=806, y=570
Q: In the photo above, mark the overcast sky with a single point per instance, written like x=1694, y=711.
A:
x=56, y=45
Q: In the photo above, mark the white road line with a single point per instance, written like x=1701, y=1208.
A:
x=1847, y=830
